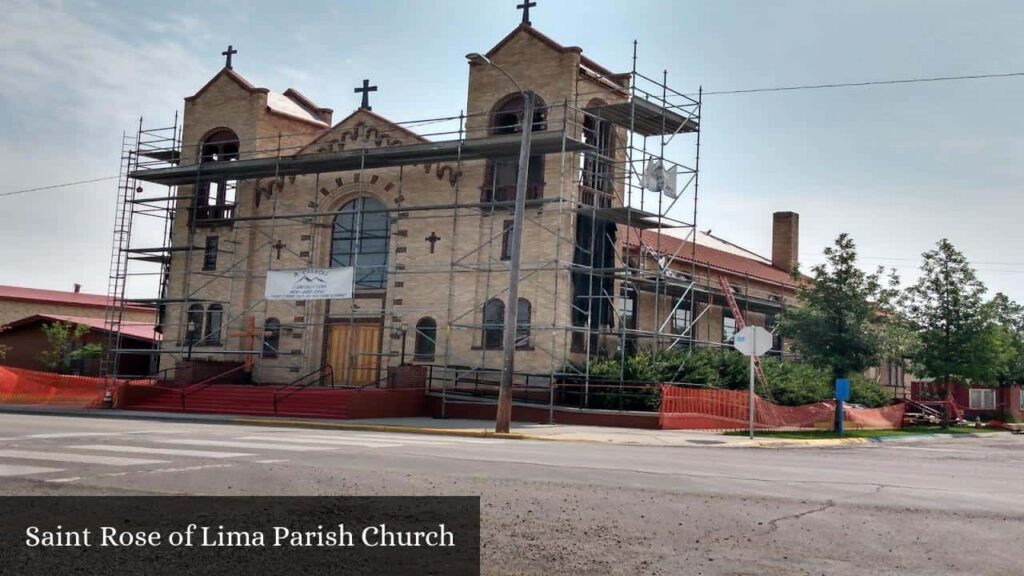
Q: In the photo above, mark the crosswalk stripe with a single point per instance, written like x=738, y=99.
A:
x=402, y=439
x=16, y=470
x=59, y=435
x=331, y=441
x=77, y=458
x=425, y=439
x=244, y=445
x=160, y=451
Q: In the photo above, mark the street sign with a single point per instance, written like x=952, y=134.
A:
x=842, y=389
x=753, y=341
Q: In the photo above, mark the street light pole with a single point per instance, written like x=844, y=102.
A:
x=503, y=417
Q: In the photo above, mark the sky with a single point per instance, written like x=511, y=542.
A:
x=897, y=167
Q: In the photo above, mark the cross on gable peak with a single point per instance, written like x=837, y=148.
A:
x=365, y=90
x=525, y=7
x=227, y=54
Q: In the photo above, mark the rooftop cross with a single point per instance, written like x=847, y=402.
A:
x=525, y=7
x=366, y=89
x=231, y=50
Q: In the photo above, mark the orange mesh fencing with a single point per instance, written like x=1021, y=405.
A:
x=712, y=409
x=20, y=386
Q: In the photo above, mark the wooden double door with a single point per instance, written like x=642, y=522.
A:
x=353, y=351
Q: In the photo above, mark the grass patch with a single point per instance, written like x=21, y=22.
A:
x=826, y=434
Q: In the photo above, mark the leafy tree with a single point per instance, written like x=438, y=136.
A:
x=1009, y=325
x=837, y=327
x=960, y=342
x=66, y=341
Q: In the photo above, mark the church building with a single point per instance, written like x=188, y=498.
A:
x=263, y=183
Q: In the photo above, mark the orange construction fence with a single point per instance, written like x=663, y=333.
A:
x=20, y=386
x=712, y=409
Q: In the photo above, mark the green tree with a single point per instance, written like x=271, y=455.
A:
x=838, y=325
x=960, y=341
x=1008, y=317
x=66, y=344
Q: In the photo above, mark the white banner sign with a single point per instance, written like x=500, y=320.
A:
x=309, y=284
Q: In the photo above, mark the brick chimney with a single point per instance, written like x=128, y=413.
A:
x=785, y=240
x=78, y=287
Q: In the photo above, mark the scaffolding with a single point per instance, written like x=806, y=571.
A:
x=602, y=232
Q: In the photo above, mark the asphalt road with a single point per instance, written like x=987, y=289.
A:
x=936, y=507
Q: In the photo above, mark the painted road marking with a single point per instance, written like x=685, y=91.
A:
x=161, y=451
x=243, y=445
x=15, y=470
x=59, y=435
x=330, y=441
x=413, y=439
x=77, y=458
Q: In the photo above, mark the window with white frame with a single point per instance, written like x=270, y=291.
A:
x=728, y=327
x=982, y=399
x=1020, y=399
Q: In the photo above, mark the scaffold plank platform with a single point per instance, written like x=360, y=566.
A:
x=548, y=142
x=644, y=117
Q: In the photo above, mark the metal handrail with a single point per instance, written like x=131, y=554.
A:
x=325, y=372
x=193, y=388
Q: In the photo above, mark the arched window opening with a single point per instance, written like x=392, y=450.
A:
x=597, y=172
x=494, y=324
x=216, y=200
x=360, y=240
x=271, y=336
x=214, y=322
x=523, y=313
x=194, y=324
x=502, y=173
x=426, y=339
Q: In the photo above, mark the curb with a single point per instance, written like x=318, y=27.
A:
x=383, y=428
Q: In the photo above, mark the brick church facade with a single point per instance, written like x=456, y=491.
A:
x=428, y=241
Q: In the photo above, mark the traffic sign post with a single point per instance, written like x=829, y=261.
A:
x=842, y=395
x=752, y=341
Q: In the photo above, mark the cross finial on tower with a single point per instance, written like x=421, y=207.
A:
x=231, y=50
x=525, y=7
x=366, y=89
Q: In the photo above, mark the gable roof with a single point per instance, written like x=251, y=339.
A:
x=528, y=29
x=291, y=104
x=730, y=262
x=137, y=330
x=369, y=115
x=60, y=297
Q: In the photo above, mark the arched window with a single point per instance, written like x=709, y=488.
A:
x=360, y=240
x=500, y=179
x=494, y=323
x=214, y=322
x=216, y=200
x=523, y=323
x=426, y=338
x=194, y=324
x=271, y=336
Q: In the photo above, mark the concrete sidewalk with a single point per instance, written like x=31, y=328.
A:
x=471, y=428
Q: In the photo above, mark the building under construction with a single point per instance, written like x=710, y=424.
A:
x=251, y=182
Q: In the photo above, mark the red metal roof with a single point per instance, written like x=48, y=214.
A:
x=138, y=330
x=722, y=261
x=60, y=297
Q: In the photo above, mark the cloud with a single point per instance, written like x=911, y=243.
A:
x=63, y=69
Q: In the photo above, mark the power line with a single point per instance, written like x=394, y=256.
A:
x=12, y=193
x=867, y=83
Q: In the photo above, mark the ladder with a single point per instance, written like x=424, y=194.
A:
x=116, y=280
x=740, y=325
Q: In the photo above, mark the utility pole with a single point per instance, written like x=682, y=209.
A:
x=504, y=416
